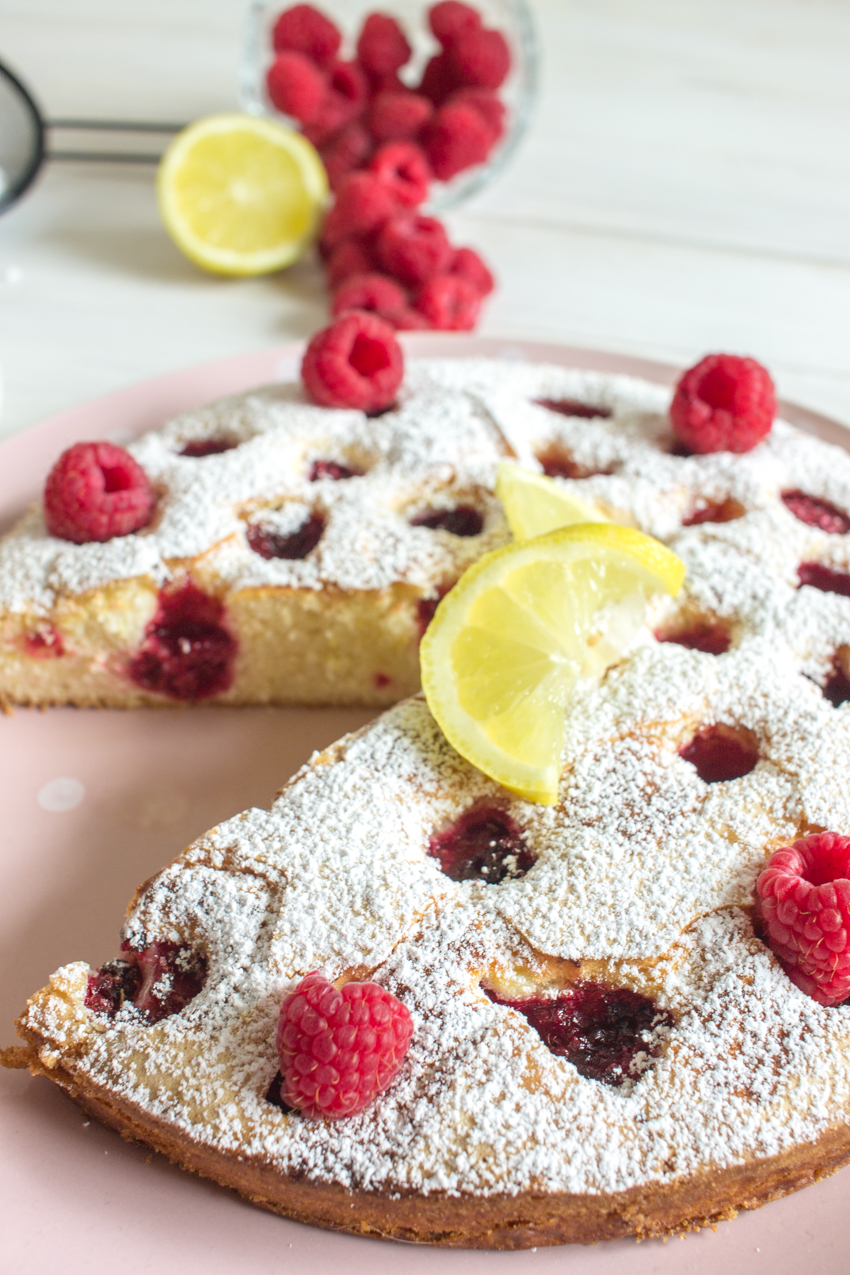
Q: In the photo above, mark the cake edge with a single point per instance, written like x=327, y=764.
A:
x=504, y=1222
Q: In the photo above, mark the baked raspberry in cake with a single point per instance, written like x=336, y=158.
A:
x=625, y=1010
x=294, y=552
x=601, y=1041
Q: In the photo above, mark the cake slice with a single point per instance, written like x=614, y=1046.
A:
x=295, y=553
x=602, y=1042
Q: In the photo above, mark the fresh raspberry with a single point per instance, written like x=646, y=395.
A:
x=389, y=83
x=413, y=249
x=450, y=19
x=488, y=105
x=344, y=103
x=480, y=58
x=339, y=1049
x=187, y=653
x=356, y=362
x=803, y=897
x=394, y=117
x=296, y=86
x=348, y=258
x=349, y=83
x=374, y=292
x=457, y=138
x=450, y=303
x=304, y=29
x=410, y=320
x=438, y=79
x=815, y=512
x=346, y=151
x=382, y=46
x=96, y=491
x=363, y=203
x=723, y=404
x=468, y=265
x=403, y=166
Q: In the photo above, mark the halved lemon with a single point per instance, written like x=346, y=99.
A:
x=241, y=195
x=509, y=644
x=534, y=504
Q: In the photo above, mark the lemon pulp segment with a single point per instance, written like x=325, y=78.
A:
x=241, y=195
x=508, y=645
x=535, y=505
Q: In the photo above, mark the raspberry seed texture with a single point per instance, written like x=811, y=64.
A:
x=339, y=1048
x=803, y=897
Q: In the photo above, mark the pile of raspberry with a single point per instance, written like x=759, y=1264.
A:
x=383, y=143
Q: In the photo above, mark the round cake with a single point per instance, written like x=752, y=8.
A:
x=603, y=1041
x=297, y=552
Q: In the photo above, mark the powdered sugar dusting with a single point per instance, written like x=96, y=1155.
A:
x=643, y=874
x=640, y=869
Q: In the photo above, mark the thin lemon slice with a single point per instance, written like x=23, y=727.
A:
x=509, y=643
x=241, y=195
x=534, y=505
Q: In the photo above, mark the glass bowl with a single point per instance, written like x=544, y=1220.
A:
x=519, y=91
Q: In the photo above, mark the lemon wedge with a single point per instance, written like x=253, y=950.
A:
x=510, y=642
x=534, y=504
x=241, y=195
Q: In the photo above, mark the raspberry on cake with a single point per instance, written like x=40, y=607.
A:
x=356, y=362
x=96, y=491
x=724, y=403
x=339, y=1048
x=314, y=586
x=803, y=896
x=560, y=999
x=573, y=994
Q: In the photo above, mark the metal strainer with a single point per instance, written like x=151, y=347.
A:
x=21, y=138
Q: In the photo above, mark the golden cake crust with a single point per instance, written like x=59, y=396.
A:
x=495, y=1222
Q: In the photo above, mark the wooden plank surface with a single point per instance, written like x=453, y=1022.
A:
x=685, y=187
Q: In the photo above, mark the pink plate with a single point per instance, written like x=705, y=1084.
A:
x=94, y=803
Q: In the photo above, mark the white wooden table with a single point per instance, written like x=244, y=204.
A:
x=685, y=187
